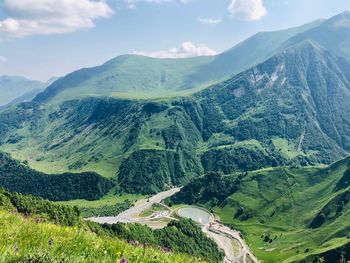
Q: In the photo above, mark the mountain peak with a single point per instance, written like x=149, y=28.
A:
x=341, y=20
x=346, y=13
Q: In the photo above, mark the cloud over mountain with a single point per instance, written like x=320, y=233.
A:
x=131, y=4
x=247, y=9
x=209, y=21
x=185, y=50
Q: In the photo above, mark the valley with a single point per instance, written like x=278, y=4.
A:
x=58, y=233
x=241, y=156
x=222, y=235
x=131, y=215
x=279, y=222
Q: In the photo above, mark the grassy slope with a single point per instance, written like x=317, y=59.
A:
x=31, y=241
x=282, y=203
x=31, y=236
x=165, y=142
x=24, y=240
x=146, y=77
x=107, y=200
x=18, y=177
x=108, y=205
x=126, y=75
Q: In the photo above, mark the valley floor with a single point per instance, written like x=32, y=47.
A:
x=224, y=236
x=230, y=241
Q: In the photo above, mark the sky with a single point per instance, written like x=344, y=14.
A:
x=40, y=39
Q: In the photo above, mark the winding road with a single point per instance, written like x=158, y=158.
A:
x=131, y=215
x=222, y=235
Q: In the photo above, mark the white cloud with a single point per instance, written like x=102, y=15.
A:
x=131, y=4
x=42, y=17
x=209, y=21
x=2, y=59
x=247, y=9
x=186, y=50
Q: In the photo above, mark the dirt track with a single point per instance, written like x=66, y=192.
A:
x=221, y=234
x=130, y=215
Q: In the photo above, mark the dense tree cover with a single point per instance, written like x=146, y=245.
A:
x=275, y=113
x=344, y=182
x=213, y=187
x=108, y=210
x=230, y=160
x=151, y=171
x=280, y=99
x=182, y=236
x=18, y=177
x=15, y=117
x=340, y=254
x=29, y=205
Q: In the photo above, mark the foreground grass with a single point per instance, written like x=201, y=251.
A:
x=26, y=240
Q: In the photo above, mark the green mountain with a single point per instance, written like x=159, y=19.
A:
x=276, y=112
x=144, y=77
x=291, y=109
x=18, y=177
x=333, y=34
x=286, y=214
x=18, y=89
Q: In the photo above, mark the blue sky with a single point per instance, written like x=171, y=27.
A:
x=44, y=38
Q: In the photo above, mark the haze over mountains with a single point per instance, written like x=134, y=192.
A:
x=12, y=88
x=277, y=99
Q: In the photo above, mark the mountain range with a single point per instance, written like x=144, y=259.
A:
x=279, y=99
x=292, y=108
x=15, y=89
x=18, y=89
x=128, y=75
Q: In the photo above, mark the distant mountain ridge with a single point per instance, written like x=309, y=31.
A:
x=17, y=89
x=293, y=108
x=150, y=77
x=248, y=146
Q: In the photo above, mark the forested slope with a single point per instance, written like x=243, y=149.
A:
x=286, y=214
x=292, y=109
x=18, y=177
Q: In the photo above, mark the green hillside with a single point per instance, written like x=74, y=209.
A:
x=254, y=134
x=286, y=214
x=18, y=177
x=293, y=108
x=35, y=230
x=333, y=34
x=135, y=76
